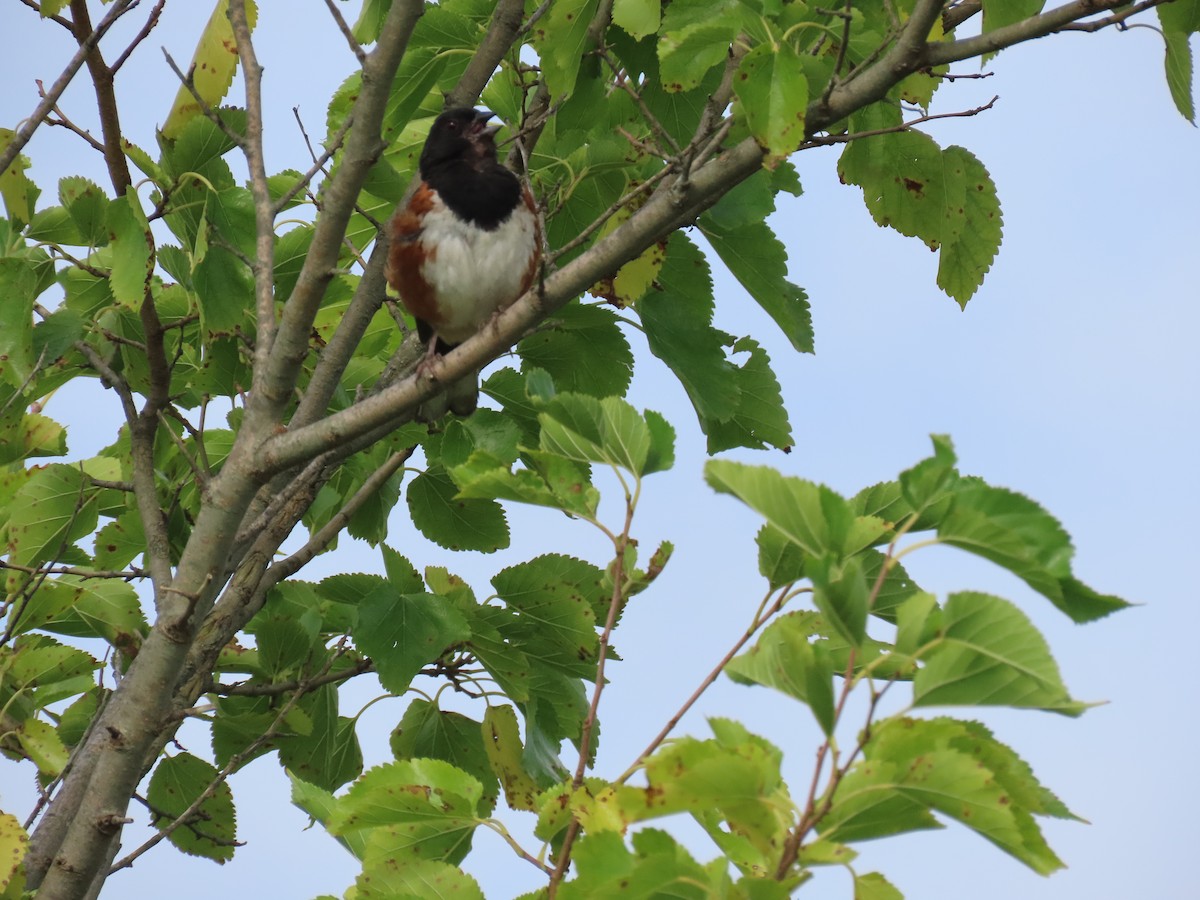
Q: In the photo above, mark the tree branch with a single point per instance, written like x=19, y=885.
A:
x=102, y=81
x=274, y=382
x=1019, y=32
x=263, y=266
x=339, y=20
x=25, y=132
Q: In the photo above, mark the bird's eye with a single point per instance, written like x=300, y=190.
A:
x=453, y=126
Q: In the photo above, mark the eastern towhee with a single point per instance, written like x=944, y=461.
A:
x=465, y=246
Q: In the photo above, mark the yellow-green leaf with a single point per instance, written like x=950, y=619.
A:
x=212, y=68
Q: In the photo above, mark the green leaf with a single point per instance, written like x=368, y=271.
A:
x=401, y=574
x=403, y=632
x=38, y=662
x=14, y=844
x=990, y=654
x=451, y=521
x=76, y=719
x=199, y=146
x=610, y=431
x=429, y=732
x=973, y=228
x=761, y=420
x=504, y=662
x=179, y=781
x=86, y=294
x=773, y=91
x=583, y=348
x=213, y=66
x=329, y=754
x=418, y=809
x=913, y=766
x=1178, y=66
x=639, y=18
x=661, y=456
x=421, y=879
x=812, y=516
x=87, y=206
x=1181, y=16
x=784, y=658
x=52, y=510
x=732, y=785
x=901, y=175
x=998, y=13
x=18, y=287
x=370, y=20
x=561, y=41
x=132, y=250
x=780, y=560
x=1014, y=532
x=758, y=260
x=42, y=745
x=19, y=193
x=53, y=225
x=106, y=609
x=502, y=743
x=45, y=604
x=321, y=804
x=657, y=867
x=144, y=162
x=677, y=316
x=291, y=249
x=240, y=722
x=841, y=592
x=120, y=542
x=874, y=886
x=554, y=712
x=417, y=76
x=895, y=589
x=555, y=598
x=929, y=480
x=285, y=641
x=694, y=38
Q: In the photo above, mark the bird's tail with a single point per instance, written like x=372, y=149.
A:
x=461, y=397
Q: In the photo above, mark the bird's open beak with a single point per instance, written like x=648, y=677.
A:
x=481, y=126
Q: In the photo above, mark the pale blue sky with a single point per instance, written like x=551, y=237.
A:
x=1072, y=377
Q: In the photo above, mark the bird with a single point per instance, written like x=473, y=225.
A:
x=465, y=245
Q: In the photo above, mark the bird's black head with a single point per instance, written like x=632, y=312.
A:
x=460, y=133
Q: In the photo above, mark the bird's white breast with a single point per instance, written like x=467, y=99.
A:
x=474, y=272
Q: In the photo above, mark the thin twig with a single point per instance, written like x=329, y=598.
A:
x=359, y=667
x=327, y=533
x=188, y=82
x=760, y=619
x=903, y=126
x=586, y=234
x=355, y=46
x=1117, y=18
x=63, y=122
x=25, y=132
x=226, y=770
x=499, y=828
x=812, y=815
x=318, y=161
x=151, y=22
x=656, y=126
x=620, y=546
x=123, y=575
x=37, y=7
